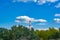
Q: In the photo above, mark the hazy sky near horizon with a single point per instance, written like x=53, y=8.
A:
x=48, y=10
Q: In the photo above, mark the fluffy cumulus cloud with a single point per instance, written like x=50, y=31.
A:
x=36, y=1
x=45, y=1
x=17, y=21
x=40, y=20
x=27, y=19
x=58, y=5
x=24, y=18
x=42, y=28
x=41, y=2
x=57, y=15
x=57, y=20
x=52, y=0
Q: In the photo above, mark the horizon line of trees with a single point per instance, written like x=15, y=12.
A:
x=23, y=33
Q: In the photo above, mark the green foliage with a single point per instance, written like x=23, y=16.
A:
x=48, y=34
x=23, y=33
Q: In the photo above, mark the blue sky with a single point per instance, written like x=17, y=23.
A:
x=10, y=9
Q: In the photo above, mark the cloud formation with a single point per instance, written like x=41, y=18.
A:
x=27, y=19
x=39, y=24
x=42, y=29
x=45, y=1
x=36, y=1
x=17, y=21
x=58, y=5
x=24, y=18
x=24, y=0
x=46, y=28
x=57, y=20
x=57, y=15
x=40, y=20
x=52, y=0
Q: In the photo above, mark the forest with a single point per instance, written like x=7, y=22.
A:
x=23, y=33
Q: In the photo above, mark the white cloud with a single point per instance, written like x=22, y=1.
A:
x=41, y=20
x=27, y=19
x=57, y=20
x=36, y=1
x=56, y=28
x=19, y=0
x=24, y=0
x=46, y=28
x=58, y=5
x=52, y=0
x=17, y=21
x=39, y=24
x=45, y=1
x=42, y=28
x=57, y=15
x=41, y=2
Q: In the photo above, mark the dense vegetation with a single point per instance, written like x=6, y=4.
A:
x=23, y=33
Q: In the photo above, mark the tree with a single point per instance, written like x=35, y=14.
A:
x=22, y=33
